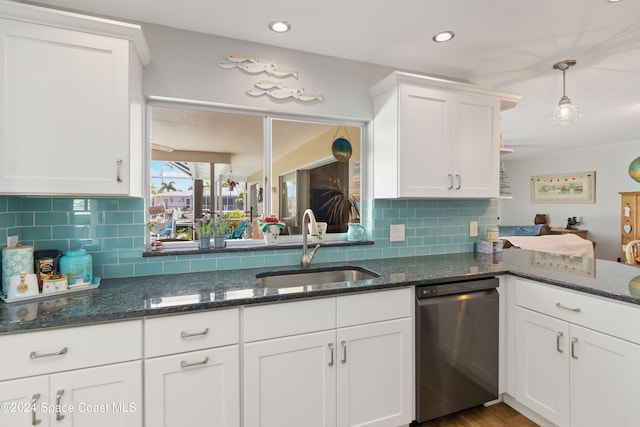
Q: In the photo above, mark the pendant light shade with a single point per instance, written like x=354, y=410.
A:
x=565, y=113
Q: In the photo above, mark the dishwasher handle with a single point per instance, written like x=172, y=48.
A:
x=422, y=302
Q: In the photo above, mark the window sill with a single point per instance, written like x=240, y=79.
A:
x=250, y=245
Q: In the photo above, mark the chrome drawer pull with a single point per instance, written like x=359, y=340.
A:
x=573, y=347
x=184, y=364
x=35, y=355
x=34, y=400
x=59, y=416
x=558, y=336
x=119, y=167
x=344, y=351
x=184, y=334
x=575, y=310
x=331, y=352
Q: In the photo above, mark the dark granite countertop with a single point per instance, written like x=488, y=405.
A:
x=138, y=297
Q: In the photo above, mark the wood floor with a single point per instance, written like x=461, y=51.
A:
x=498, y=415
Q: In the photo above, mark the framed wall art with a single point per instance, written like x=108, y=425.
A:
x=576, y=187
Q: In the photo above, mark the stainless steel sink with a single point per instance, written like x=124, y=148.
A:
x=317, y=276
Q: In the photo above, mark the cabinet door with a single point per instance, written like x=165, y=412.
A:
x=424, y=163
x=186, y=389
x=65, y=111
x=21, y=402
x=605, y=380
x=375, y=374
x=105, y=396
x=291, y=382
x=542, y=365
x=476, y=153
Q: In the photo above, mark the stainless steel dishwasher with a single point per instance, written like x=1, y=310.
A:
x=457, y=346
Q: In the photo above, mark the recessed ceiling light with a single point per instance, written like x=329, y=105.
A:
x=280, y=26
x=443, y=36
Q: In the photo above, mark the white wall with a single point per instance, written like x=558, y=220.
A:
x=184, y=66
x=601, y=218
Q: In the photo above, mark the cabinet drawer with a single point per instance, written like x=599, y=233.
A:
x=35, y=353
x=289, y=318
x=188, y=332
x=374, y=306
x=610, y=317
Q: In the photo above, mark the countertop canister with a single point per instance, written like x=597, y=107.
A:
x=78, y=266
x=14, y=261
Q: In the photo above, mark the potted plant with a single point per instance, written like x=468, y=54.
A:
x=204, y=227
x=342, y=207
x=219, y=229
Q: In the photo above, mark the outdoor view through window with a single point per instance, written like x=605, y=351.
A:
x=212, y=163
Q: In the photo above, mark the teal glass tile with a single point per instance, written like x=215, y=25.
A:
x=63, y=204
x=69, y=232
x=117, y=270
x=177, y=267
x=399, y=204
x=148, y=269
x=229, y=263
x=37, y=204
x=102, y=231
x=405, y=252
x=8, y=220
x=4, y=201
x=90, y=245
x=51, y=218
x=337, y=256
x=118, y=218
x=131, y=230
x=3, y=238
x=203, y=265
x=131, y=204
x=37, y=233
x=105, y=204
x=115, y=244
x=26, y=219
x=14, y=204
x=81, y=218
x=61, y=245
x=139, y=217
x=422, y=250
x=407, y=213
x=356, y=254
x=390, y=214
x=101, y=258
x=414, y=241
x=138, y=243
x=373, y=253
x=253, y=261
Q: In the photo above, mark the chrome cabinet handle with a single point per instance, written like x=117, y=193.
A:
x=119, y=163
x=575, y=310
x=35, y=355
x=34, y=400
x=344, y=352
x=59, y=416
x=184, y=364
x=331, y=353
x=558, y=336
x=450, y=182
x=184, y=334
x=574, y=340
x=459, y=182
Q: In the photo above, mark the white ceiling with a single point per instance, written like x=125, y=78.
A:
x=503, y=44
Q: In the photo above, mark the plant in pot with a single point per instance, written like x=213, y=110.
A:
x=204, y=227
x=219, y=229
x=342, y=207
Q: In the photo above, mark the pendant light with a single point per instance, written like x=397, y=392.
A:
x=565, y=113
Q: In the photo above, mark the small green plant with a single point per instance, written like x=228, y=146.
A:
x=220, y=227
x=203, y=227
x=235, y=218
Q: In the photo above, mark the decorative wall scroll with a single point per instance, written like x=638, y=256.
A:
x=577, y=187
x=275, y=89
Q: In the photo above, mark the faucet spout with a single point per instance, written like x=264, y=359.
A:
x=307, y=256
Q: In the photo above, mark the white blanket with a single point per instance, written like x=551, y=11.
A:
x=566, y=244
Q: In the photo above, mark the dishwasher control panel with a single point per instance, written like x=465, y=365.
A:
x=454, y=288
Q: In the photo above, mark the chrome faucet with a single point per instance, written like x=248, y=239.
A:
x=306, y=259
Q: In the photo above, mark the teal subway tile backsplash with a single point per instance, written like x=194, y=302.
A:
x=113, y=231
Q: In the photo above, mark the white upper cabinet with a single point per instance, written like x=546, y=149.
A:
x=72, y=111
x=434, y=138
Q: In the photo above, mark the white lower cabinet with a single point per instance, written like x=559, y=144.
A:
x=193, y=389
x=192, y=370
x=569, y=374
x=360, y=375
x=104, y=396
